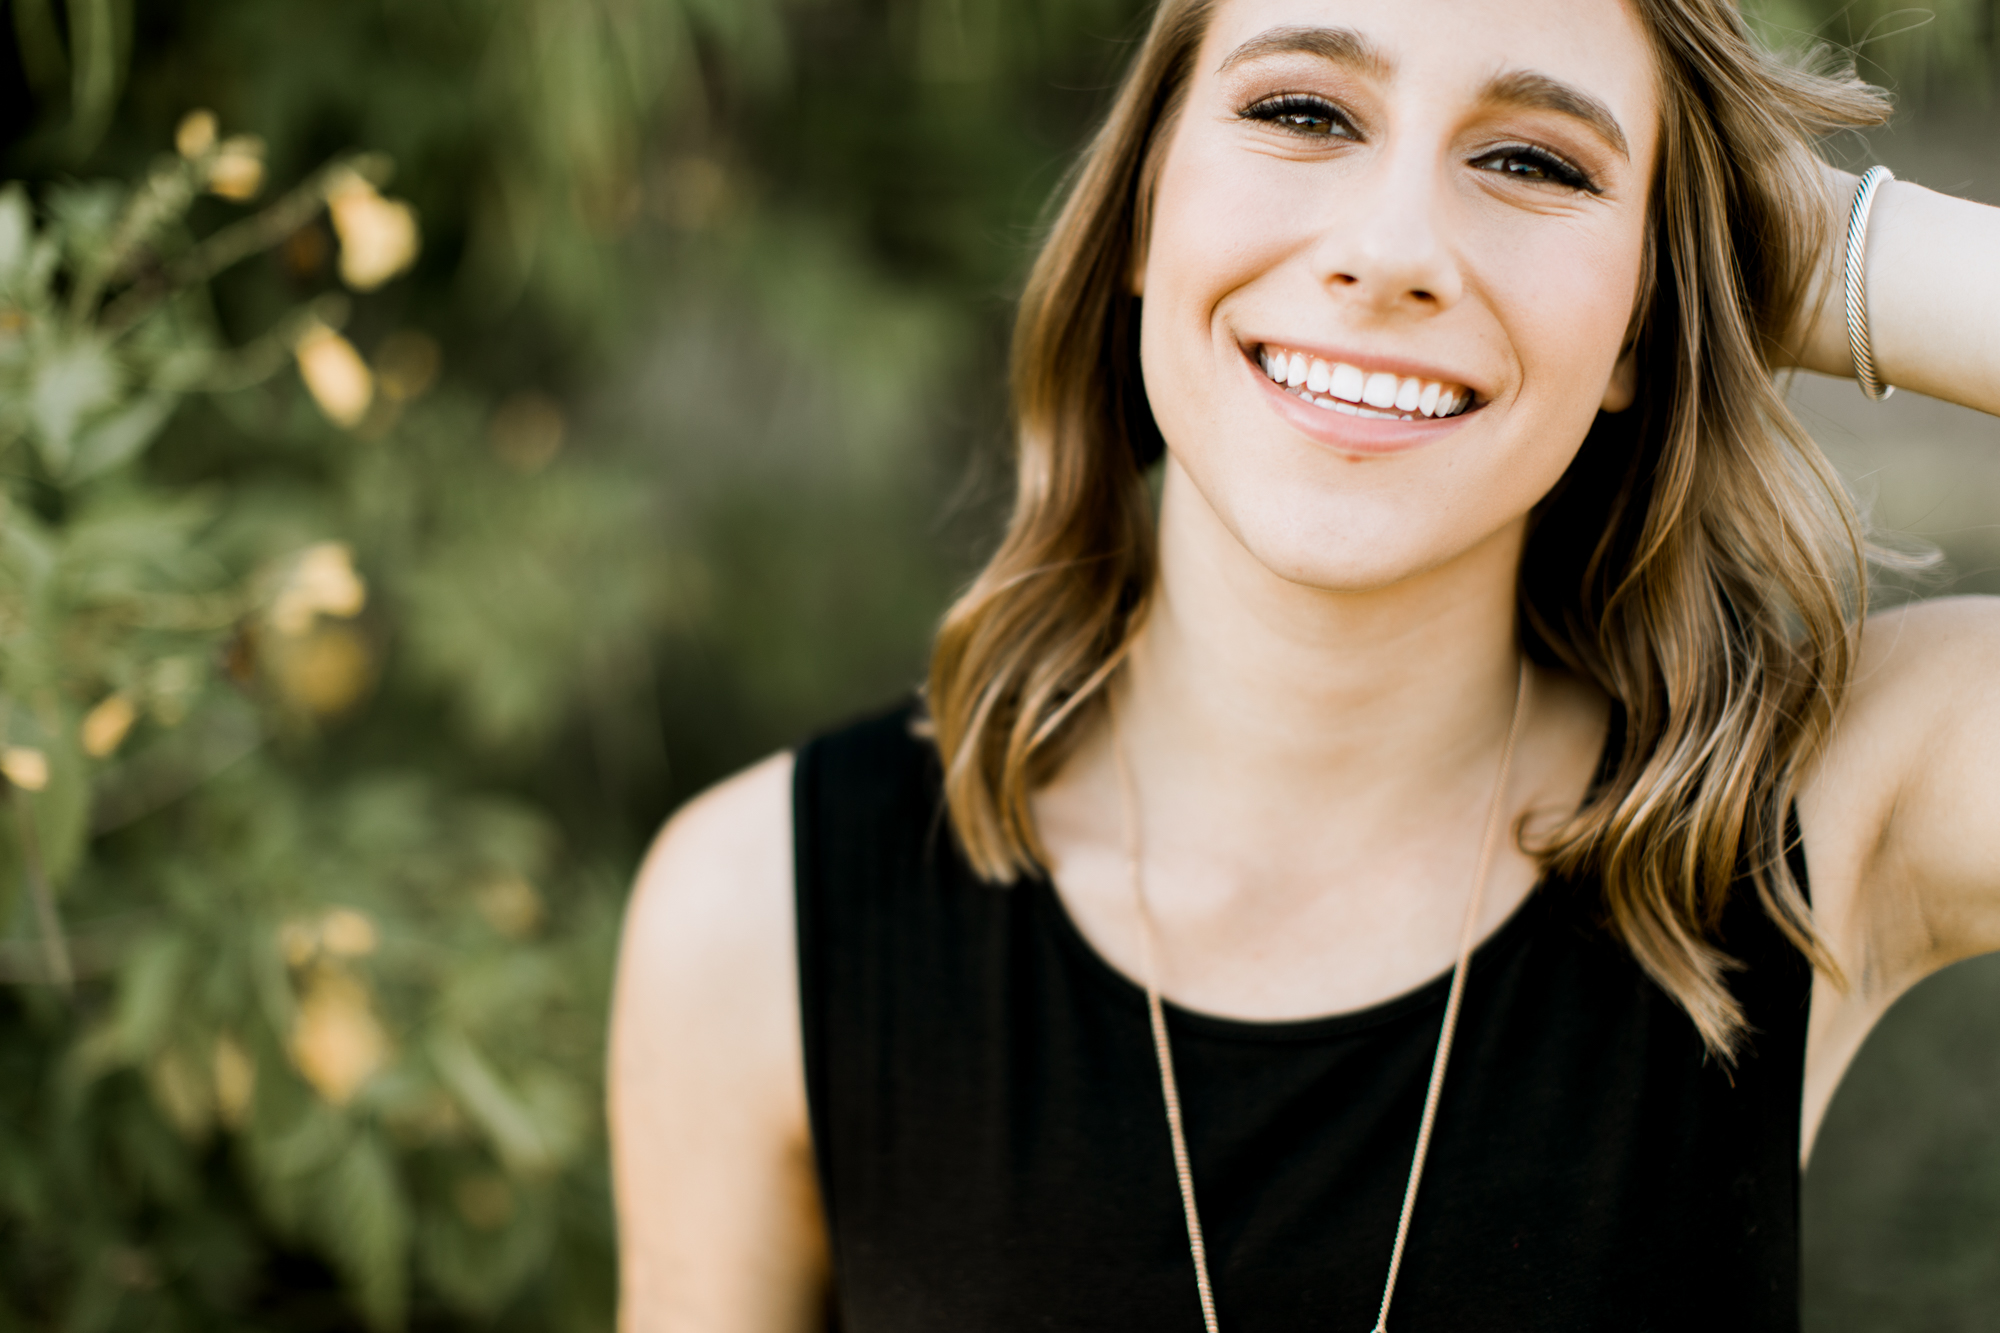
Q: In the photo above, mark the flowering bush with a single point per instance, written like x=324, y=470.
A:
x=363, y=996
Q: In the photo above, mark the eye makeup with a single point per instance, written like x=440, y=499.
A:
x=1305, y=114
x=1313, y=116
x=1530, y=162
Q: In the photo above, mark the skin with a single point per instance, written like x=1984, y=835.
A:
x=1316, y=705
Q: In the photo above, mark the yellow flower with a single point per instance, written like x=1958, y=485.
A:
x=326, y=671
x=25, y=767
x=235, y=1081
x=378, y=237
x=322, y=582
x=336, y=1041
x=336, y=375
x=511, y=906
x=105, y=726
x=196, y=133
x=347, y=933
x=237, y=173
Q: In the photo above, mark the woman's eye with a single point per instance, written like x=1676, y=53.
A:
x=1309, y=116
x=1534, y=164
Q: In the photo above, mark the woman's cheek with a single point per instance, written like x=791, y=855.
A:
x=1571, y=308
x=1222, y=217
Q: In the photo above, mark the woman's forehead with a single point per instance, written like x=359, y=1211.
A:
x=1452, y=48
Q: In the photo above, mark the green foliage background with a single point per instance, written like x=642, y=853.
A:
x=717, y=293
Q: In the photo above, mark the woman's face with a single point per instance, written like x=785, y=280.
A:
x=1425, y=219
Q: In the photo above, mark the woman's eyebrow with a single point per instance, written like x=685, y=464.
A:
x=1539, y=92
x=1521, y=88
x=1343, y=46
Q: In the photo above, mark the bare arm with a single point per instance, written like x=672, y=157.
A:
x=720, y=1227
x=1902, y=822
x=1902, y=816
x=1933, y=294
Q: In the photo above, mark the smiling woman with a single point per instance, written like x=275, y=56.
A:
x=1490, y=695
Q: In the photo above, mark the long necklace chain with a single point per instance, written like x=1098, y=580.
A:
x=1163, y=1049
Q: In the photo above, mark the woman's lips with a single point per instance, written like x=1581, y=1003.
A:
x=1343, y=386
x=1357, y=410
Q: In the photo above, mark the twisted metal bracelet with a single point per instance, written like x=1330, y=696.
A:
x=1857, y=284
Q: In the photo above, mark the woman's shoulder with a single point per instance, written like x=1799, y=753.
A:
x=1923, y=672
x=1921, y=669
x=720, y=875
x=737, y=832
x=1901, y=810
x=1937, y=638
x=710, y=912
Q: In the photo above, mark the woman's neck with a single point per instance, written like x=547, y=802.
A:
x=1240, y=670
x=1312, y=770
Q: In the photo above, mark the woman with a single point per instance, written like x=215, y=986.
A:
x=1493, y=599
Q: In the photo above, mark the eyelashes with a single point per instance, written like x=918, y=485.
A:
x=1311, y=117
x=1527, y=162
x=1302, y=114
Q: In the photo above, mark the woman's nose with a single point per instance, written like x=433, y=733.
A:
x=1385, y=248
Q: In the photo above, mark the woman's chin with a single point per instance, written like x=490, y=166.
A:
x=1359, y=558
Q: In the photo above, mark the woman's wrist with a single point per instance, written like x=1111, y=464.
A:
x=1819, y=341
x=1932, y=270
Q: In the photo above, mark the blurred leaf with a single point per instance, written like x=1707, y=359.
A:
x=148, y=994
x=366, y=1224
x=118, y=438
x=85, y=214
x=70, y=382
x=40, y=42
x=486, y=1239
x=516, y=1132
x=17, y=234
x=100, y=33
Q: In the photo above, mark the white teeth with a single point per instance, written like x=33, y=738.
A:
x=1397, y=398
x=1347, y=382
x=1380, y=391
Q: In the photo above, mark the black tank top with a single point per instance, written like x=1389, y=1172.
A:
x=993, y=1155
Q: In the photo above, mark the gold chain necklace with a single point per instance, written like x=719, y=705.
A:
x=1163, y=1051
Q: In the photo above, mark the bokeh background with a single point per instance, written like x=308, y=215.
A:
x=492, y=421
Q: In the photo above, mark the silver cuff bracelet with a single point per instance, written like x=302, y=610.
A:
x=1857, y=284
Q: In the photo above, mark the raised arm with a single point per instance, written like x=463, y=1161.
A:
x=1933, y=294
x=719, y=1216
x=1902, y=814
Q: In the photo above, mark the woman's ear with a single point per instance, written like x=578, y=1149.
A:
x=1624, y=386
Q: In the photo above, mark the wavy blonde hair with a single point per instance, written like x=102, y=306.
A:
x=1699, y=560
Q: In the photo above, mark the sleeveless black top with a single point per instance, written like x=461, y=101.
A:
x=993, y=1154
